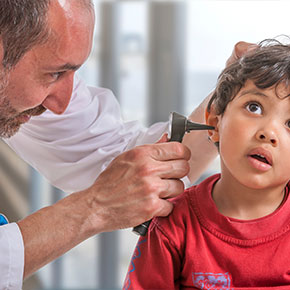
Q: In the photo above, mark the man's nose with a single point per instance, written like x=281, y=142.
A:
x=60, y=95
x=268, y=135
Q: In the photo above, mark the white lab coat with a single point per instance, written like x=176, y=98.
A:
x=70, y=150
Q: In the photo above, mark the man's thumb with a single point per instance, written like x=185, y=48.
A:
x=163, y=139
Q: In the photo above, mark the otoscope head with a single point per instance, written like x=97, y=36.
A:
x=179, y=125
x=196, y=126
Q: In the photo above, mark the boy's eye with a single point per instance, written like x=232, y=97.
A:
x=288, y=123
x=254, y=108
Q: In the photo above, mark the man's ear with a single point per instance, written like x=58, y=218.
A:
x=213, y=119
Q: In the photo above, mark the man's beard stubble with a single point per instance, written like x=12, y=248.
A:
x=9, y=117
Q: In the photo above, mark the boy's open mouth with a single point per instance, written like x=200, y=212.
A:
x=261, y=158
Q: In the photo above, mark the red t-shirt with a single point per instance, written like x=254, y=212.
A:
x=197, y=247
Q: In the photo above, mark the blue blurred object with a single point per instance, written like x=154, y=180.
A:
x=3, y=220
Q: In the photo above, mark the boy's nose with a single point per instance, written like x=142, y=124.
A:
x=267, y=136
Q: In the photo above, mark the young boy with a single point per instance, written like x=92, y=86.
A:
x=232, y=231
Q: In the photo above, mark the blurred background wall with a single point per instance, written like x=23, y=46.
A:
x=156, y=56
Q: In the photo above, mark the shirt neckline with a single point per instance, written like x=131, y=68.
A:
x=247, y=232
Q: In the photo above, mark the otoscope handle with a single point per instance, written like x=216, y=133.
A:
x=143, y=228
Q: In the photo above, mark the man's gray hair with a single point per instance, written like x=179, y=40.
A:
x=23, y=24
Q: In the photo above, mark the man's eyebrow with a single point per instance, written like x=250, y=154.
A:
x=253, y=92
x=65, y=67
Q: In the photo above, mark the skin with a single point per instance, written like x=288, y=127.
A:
x=255, y=122
x=140, y=179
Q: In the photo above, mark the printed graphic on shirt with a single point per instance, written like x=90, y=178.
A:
x=212, y=281
x=136, y=255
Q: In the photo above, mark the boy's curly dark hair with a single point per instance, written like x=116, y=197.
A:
x=267, y=65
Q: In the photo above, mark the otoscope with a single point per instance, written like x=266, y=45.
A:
x=178, y=126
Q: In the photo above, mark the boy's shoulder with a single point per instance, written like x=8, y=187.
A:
x=190, y=198
x=204, y=188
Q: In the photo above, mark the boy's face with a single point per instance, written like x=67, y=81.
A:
x=254, y=137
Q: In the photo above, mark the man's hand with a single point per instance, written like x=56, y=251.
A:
x=240, y=49
x=135, y=185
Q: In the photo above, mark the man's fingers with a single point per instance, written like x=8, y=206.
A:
x=135, y=185
x=153, y=195
x=164, y=160
x=240, y=49
x=164, y=169
x=171, y=188
x=172, y=169
x=169, y=151
x=165, y=208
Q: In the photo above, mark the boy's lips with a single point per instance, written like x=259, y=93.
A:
x=260, y=158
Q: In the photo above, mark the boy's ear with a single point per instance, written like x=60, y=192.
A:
x=213, y=119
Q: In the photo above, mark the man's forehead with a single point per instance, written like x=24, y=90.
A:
x=67, y=4
x=70, y=33
x=63, y=14
x=62, y=2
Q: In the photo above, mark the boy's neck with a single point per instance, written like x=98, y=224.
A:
x=237, y=201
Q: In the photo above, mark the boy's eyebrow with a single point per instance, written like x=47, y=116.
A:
x=253, y=92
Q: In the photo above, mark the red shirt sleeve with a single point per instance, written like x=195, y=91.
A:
x=157, y=259
x=155, y=263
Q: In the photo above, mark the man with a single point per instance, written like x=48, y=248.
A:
x=43, y=43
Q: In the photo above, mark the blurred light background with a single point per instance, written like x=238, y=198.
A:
x=156, y=56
